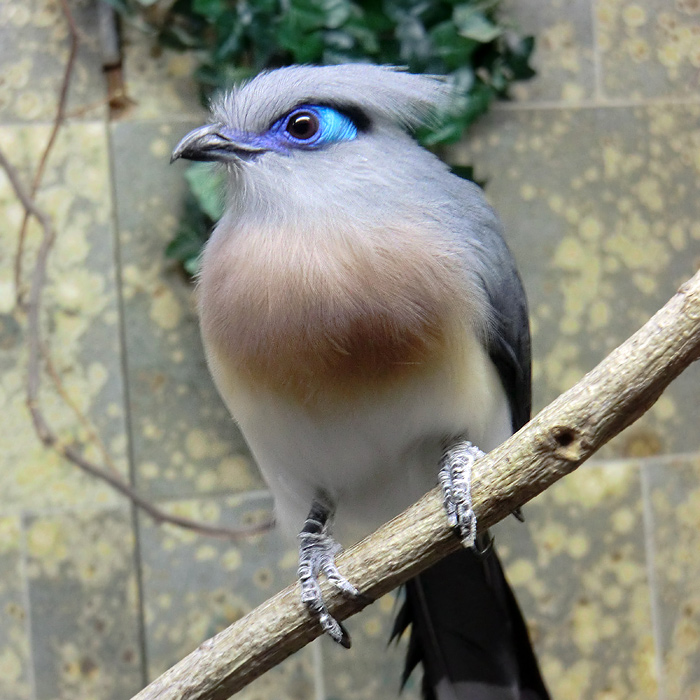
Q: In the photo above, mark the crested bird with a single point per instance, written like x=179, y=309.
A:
x=365, y=324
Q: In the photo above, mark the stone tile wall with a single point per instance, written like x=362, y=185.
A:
x=594, y=168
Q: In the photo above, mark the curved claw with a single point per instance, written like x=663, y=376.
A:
x=487, y=548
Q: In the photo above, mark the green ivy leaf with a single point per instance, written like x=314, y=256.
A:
x=209, y=8
x=475, y=25
x=454, y=49
x=233, y=40
x=466, y=172
x=192, y=264
x=336, y=12
x=517, y=56
x=186, y=245
x=206, y=184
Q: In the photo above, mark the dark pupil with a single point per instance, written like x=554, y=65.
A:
x=303, y=125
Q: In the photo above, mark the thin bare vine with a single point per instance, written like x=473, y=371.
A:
x=37, y=348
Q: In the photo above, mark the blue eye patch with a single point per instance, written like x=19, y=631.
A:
x=312, y=126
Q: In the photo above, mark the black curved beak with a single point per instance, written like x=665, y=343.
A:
x=212, y=143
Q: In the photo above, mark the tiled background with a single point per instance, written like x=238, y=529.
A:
x=594, y=168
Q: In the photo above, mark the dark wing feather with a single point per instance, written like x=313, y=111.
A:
x=508, y=341
x=466, y=627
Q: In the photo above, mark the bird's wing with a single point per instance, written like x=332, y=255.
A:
x=466, y=627
x=508, y=341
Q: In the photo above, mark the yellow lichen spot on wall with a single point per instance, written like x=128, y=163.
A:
x=569, y=254
x=231, y=559
x=290, y=560
x=148, y=470
x=46, y=540
x=16, y=75
x=585, y=626
x=609, y=627
x=556, y=203
x=159, y=148
x=644, y=668
x=612, y=159
x=649, y=193
x=592, y=486
x=521, y=571
x=642, y=442
x=628, y=572
x=577, y=546
x=235, y=473
x=623, y=520
x=638, y=49
x=552, y=538
x=572, y=215
x=575, y=681
x=634, y=15
x=677, y=235
x=599, y=314
x=207, y=480
x=205, y=553
x=694, y=56
x=528, y=192
x=197, y=444
x=572, y=92
x=180, y=65
x=569, y=325
x=7, y=296
x=166, y=311
x=9, y=535
x=72, y=246
x=373, y=627
x=10, y=665
x=97, y=376
x=664, y=408
x=612, y=596
x=646, y=284
x=669, y=55
x=590, y=228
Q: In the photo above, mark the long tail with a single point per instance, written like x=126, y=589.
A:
x=468, y=632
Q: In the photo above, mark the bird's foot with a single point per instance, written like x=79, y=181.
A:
x=317, y=553
x=455, y=479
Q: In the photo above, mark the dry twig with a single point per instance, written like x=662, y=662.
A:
x=57, y=122
x=47, y=436
x=36, y=348
x=562, y=436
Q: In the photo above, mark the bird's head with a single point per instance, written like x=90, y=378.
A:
x=307, y=128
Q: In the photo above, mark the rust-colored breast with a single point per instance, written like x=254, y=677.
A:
x=309, y=316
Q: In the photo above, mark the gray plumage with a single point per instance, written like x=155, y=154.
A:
x=361, y=312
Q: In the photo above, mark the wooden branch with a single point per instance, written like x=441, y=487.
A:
x=566, y=433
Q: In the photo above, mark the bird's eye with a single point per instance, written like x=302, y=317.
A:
x=309, y=127
x=303, y=125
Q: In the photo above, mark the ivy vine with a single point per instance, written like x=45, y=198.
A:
x=235, y=39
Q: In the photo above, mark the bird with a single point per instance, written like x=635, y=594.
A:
x=365, y=324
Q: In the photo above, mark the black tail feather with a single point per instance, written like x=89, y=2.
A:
x=468, y=632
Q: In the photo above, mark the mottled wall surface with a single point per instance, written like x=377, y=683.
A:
x=594, y=168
